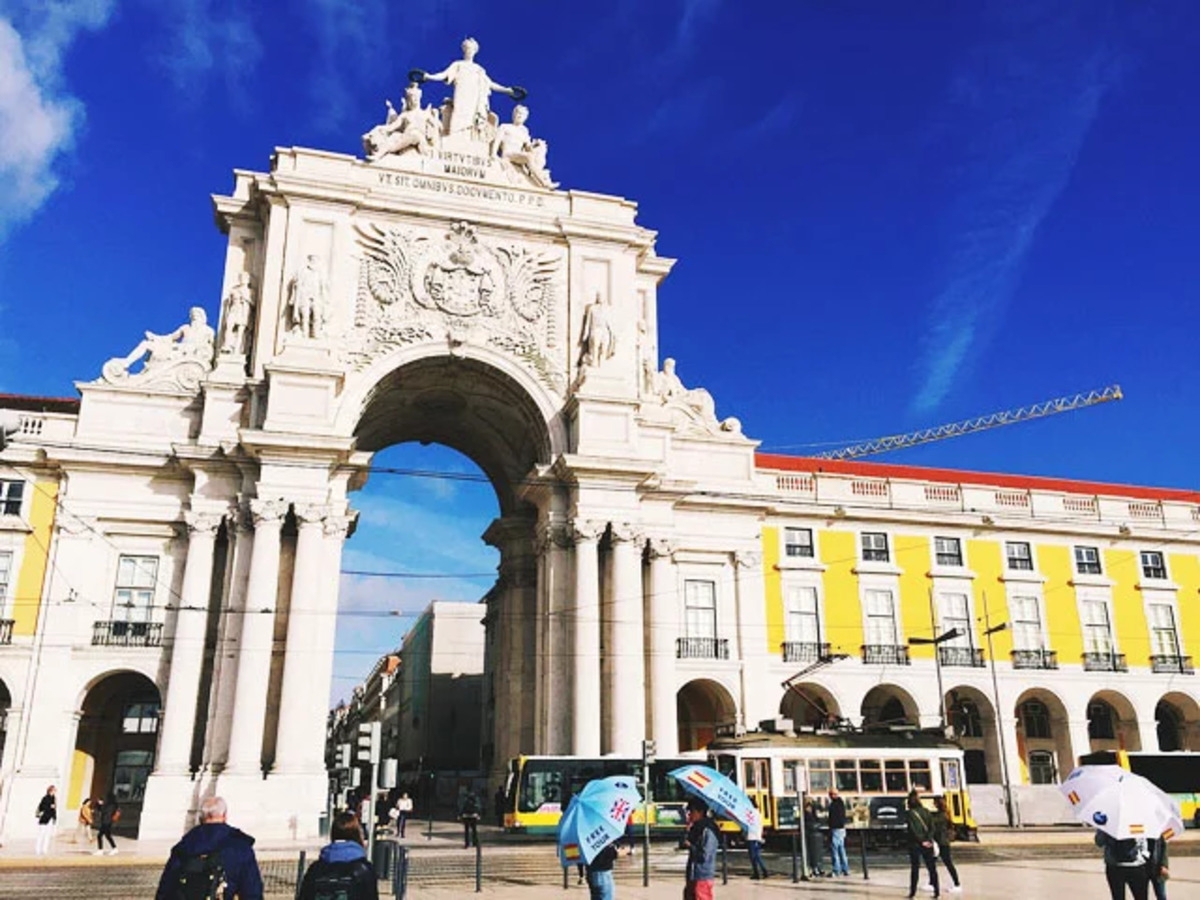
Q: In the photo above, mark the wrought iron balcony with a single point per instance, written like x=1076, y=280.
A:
x=885, y=655
x=804, y=651
x=1181, y=665
x=1104, y=662
x=701, y=648
x=6, y=627
x=968, y=657
x=1034, y=659
x=127, y=634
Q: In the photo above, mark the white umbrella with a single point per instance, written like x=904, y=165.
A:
x=1121, y=804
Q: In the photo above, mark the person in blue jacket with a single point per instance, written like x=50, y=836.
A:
x=212, y=851
x=342, y=869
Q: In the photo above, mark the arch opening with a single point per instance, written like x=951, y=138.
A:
x=973, y=718
x=1177, y=719
x=810, y=706
x=1043, y=737
x=889, y=706
x=5, y=705
x=1112, y=723
x=702, y=707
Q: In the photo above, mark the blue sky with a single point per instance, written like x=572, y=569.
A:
x=887, y=215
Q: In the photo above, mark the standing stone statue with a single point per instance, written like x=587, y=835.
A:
x=309, y=300
x=598, y=340
x=236, y=322
x=528, y=155
x=469, y=108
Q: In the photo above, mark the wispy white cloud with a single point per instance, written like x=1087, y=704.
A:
x=39, y=118
x=207, y=38
x=1026, y=102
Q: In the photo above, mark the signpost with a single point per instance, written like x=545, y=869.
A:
x=649, y=751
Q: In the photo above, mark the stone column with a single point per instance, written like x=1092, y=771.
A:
x=664, y=629
x=335, y=529
x=556, y=669
x=585, y=693
x=187, y=647
x=1148, y=734
x=240, y=526
x=254, y=654
x=627, y=653
x=293, y=751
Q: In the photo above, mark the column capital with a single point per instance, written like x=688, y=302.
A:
x=626, y=533
x=339, y=526
x=311, y=513
x=747, y=559
x=586, y=529
x=662, y=547
x=268, y=511
x=202, y=523
x=239, y=520
x=551, y=534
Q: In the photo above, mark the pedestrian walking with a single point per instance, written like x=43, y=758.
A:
x=212, y=860
x=107, y=814
x=1158, y=871
x=701, y=840
x=600, y=871
x=498, y=800
x=920, y=845
x=943, y=833
x=404, y=810
x=754, y=845
x=1125, y=864
x=812, y=840
x=837, y=834
x=468, y=814
x=342, y=870
x=83, y=827
x=47, y=816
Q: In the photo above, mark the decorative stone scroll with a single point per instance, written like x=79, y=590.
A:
x=414, y=288
x=694, y=407
x=177, y=361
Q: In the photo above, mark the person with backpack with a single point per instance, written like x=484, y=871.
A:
x=920, y=845
x=468, y=813
x=107, y=814
x=1125, y=863
x=213, y=860
x=342, y=871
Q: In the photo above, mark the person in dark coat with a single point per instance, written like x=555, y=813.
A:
x=1157, y=867
x=47, y=816
x=342, y=869
x=107, y=813
x=812, y=840
x=941, y=834
x=837, y=833
x=236, y=849
x=1125, y=864
x=920, y=845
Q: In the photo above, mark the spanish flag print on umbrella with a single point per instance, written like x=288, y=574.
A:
x=596, y=817
x=719, y=792
x=1121, y=804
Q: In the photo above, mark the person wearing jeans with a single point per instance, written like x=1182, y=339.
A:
x=600, y=872
x=837, y=833
x=754, y=843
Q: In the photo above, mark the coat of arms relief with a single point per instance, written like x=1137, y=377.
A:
x=414, y=288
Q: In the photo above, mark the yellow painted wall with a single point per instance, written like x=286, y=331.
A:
x=773, y=589
x=986, y=560
x=1129, y=612
x=843, y=609
x=912, y=556
x=81, y=778
x=1184, y=569
x=32, y=577
x=1062, y=610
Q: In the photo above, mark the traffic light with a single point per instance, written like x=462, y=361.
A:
x=343, y=756
x=368, y=742
x=649, y=752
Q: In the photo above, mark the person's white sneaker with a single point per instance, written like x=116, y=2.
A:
x=957, y=889
x=97, y=853
x=112, y=852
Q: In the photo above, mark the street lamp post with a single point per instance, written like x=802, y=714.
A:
x=937, y=665
x=989, y=629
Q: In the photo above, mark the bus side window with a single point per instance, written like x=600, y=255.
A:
x=790, y=767
x=895, y=777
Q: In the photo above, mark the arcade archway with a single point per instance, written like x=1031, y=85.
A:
x=1112, y=723
x=115, y=744
x=973, y=718
x=5, y=705
x=1043, y=737
x=889, y=706
x=810, y=706
x=1177, y=717
x=702, y=707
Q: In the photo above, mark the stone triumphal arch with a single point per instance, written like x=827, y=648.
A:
x=440, y=289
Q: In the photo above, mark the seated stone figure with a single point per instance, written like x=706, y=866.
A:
x=697, y=402
x=514, y=144
x=414, y=129
x=191, y=342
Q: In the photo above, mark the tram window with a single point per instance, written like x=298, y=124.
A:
x=790, y=767
x=871, y=774
x=895, y=776
x=846, y=771
x=820, y=776
x=748, y=769
x=918, y=775
x=727, y=766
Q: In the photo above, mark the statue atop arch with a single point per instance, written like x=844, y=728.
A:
x=469, y=107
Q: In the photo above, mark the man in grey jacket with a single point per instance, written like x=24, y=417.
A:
x=702, y=852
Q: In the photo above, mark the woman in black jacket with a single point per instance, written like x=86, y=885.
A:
x=342, y=869
x=107, y=812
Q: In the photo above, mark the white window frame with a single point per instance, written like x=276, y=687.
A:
x=140, y=583
x=688, y=606
x=1015, y=623
x=1008, y=558
x=791, y=614
x=6, y=485
x=1079, y=563
x=867, y=617
x=1143, y=568
x=788, y=545
x=967, y=639
x=959, y=553
x=863, y=549
x=1172, y=608
x=8, y=572
x=1101, y=601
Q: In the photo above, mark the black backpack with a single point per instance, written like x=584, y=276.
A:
x=337, y=882
x=202, y=877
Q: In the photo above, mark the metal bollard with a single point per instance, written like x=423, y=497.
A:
x=400, y=874
x=564, y=878
x=299, y=873
x=478, y=867
x=862, y=848
x=795, y=860
x=724, y=859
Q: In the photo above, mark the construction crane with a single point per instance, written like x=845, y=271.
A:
x=970, y=426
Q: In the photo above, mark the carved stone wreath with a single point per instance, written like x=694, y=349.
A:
x=413, y=288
